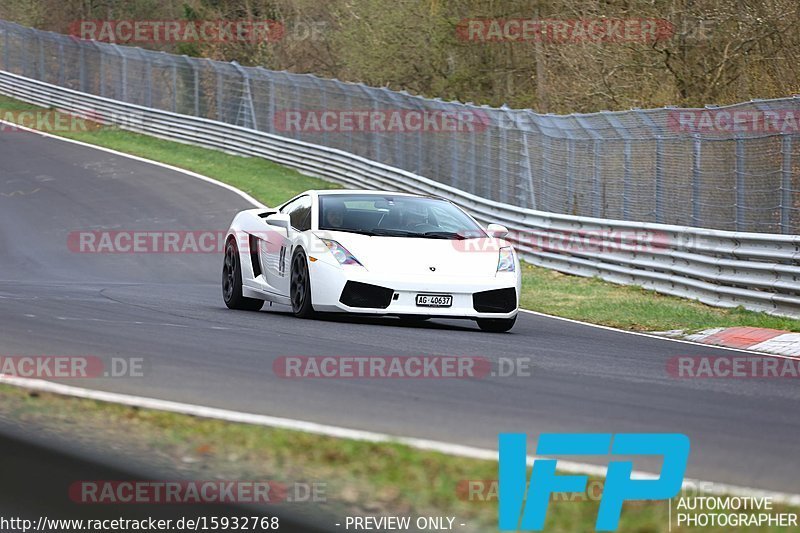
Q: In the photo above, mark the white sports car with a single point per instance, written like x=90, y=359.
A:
x=372, y=252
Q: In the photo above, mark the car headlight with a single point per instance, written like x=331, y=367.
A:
x=341, y=253
x=506, y=261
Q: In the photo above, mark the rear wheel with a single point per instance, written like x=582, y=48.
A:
x=232, y=282
x=300, y=286
x=496, y=325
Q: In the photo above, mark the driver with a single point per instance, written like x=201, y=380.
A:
x=412, y=219
x=334, y=215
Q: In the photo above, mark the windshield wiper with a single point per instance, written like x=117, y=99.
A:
x=443, y=235
x=383, y=232
x=386, y=232
x=348, y=230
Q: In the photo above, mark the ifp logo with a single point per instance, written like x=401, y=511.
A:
x=619, y=486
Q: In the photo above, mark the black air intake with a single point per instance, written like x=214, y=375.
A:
x=496, y=301
x=356, y=294
x=254, y=260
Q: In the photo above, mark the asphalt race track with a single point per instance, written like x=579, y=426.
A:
x=168, y=309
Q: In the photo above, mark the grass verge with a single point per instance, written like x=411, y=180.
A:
x=359, y=478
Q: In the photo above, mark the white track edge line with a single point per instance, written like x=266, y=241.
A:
x=659, y=337
x=315, y=428
x=334, y=431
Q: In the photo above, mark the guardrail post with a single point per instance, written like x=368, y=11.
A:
x=324, y=102
x=271, y=108
x=740, y=185
x=597, y=200
x=420, y=137
x=454, y=175
x=376, y=140
x=503, y=158
x=82, y=67
x=125, y=78
x=41, y=58
x=486, y=180
x=626, y=180
x=5, y=51
x=174, y=88
x=196, y=84
x=545, y=140
x=101, y=74
x=570, y=204
x=218, y=95
x=349, y=105
x=473, y=163
x=786, y=184
x=399, y=159
x=697, y=155
x=148, y=99
x=526, y=166
x=26, y=60
x=297, y=104
x=249, y=98
x=62, y=77
x=623, y=133
x=659, y=185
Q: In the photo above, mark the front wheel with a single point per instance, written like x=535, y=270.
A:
x=232, y=282
x=496, y=325
x=300, y=286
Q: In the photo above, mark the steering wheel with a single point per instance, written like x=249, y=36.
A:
x=422, y=228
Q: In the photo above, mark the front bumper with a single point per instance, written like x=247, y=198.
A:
x=328, y=283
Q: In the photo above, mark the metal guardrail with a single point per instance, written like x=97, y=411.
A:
x=755, y=270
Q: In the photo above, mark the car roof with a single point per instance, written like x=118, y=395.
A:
x=330, y=192
x=338, y=192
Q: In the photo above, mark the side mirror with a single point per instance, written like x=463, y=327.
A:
x=497, y=231
x=280, y=220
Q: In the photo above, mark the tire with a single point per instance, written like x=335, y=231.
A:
x=232, y=282
x=300, y=286
x=496, y=325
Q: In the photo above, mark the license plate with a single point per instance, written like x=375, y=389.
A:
x=434, y=300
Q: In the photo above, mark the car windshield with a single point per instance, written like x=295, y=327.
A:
x=395, y=216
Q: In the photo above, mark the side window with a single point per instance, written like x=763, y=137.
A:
x=299, y=212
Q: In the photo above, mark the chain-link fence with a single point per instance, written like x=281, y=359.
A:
x=732, y=168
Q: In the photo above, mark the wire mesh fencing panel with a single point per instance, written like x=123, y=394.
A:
x=731, y=168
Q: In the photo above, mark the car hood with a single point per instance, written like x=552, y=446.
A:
x=415, y=256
